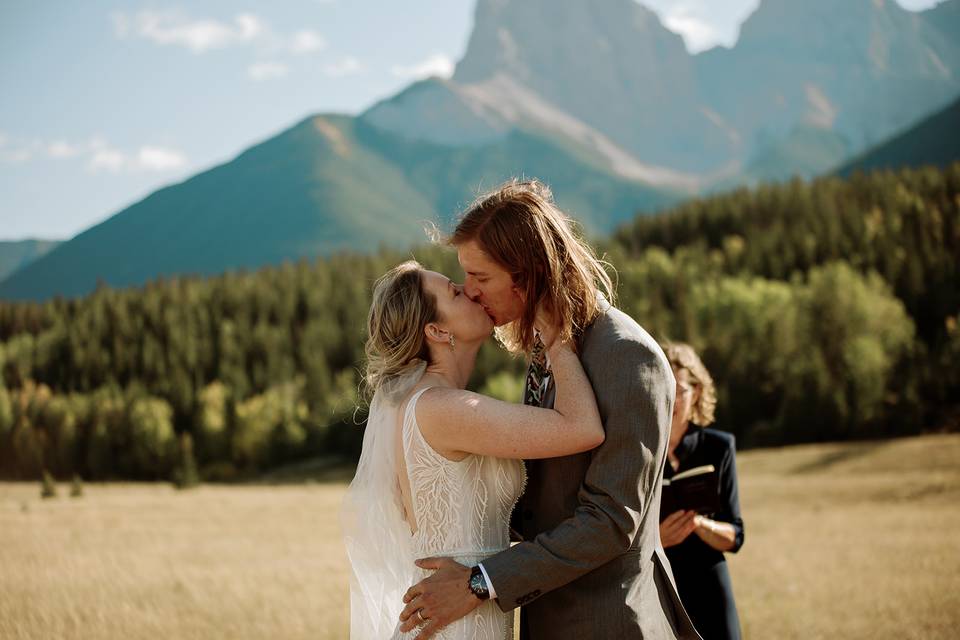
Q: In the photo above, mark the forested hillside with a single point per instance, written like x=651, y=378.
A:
x=825, y=310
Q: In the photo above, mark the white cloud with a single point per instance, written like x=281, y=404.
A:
x=97, y=152
x=18, y=152
x=101, y=156
x=250, y=26
x=111, y=160
x=346, y=66
x=200, y=35
x=703, y=23
x=15, y=156
x=436, y=65
x=197, y=35
x=147, y=158
x=97, y=142
x=62, y=149
x=267, y=70
x=307, y=41
x=697, y=34
x=918, y=5
x=160, y=159
x=121, y=24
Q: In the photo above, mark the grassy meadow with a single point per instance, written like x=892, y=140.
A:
x=853, y=540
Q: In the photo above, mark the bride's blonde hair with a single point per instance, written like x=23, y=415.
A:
x=399, y=312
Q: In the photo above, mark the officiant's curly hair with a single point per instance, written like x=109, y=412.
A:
x=521, y=228
x=682, y=356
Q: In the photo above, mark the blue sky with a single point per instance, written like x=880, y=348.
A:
x=101, y=102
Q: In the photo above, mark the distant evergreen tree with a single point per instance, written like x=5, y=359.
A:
x=185, y=475
x=48, y=486
x=76, y=486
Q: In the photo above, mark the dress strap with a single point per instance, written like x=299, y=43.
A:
x=413, y=403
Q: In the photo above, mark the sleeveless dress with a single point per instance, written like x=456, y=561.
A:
x=462, y=510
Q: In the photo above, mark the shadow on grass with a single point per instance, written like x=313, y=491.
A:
x=325, y=469
x=832, y=458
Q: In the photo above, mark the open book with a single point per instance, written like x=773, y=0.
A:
x=696, y=489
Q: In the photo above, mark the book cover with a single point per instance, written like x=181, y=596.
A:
x=696, y=489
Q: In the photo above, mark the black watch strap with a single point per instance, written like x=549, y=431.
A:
x=478, y=584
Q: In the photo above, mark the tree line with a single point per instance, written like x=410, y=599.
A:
x=872, y=267
x=824, y=310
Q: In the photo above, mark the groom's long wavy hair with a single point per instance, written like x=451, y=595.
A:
x=521, y=229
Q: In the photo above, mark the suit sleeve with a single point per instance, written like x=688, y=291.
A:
x=634, y=388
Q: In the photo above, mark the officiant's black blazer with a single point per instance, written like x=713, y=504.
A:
x=591, y=564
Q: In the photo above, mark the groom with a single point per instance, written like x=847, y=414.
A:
x=590, y=564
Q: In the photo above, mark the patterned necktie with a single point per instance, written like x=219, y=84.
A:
x=538, y=375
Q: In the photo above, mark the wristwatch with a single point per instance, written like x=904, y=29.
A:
x=477, y=584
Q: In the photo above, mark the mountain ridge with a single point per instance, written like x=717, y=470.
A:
x=598, y=99
x=15, y=254
x=934, y=141
x=328, y=183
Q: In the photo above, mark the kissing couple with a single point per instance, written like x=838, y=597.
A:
x=446, y=475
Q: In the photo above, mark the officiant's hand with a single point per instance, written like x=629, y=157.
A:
x=442, y=598
x=676, y=527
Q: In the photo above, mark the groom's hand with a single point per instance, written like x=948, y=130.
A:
x=442, y=598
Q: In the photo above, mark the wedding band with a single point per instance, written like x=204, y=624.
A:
x=420, y=615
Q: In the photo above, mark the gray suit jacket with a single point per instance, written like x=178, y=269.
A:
x=591, y=564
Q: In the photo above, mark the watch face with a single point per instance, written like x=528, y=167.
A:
x=478, y=585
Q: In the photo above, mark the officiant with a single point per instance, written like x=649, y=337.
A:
x=696, y=542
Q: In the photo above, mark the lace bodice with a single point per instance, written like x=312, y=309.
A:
x=462, y=510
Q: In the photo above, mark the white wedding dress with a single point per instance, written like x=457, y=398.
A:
x=462, y=510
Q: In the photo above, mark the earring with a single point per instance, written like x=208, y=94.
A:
x=453, y=342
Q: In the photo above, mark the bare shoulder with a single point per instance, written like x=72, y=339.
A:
x=446, y=408
x=438, y=412
x=439, y=401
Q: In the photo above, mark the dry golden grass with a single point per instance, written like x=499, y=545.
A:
x=144, y=561
x=852, y=541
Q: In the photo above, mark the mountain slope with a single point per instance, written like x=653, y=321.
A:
x=16, y=254
x=329, y=183
x=860, y=70
x=448, y=114
x=945, y=18
x=450, y=177
x=611, y=64
x=307, y=191
x=933, y=141
x=599, y=99
x=806, y=86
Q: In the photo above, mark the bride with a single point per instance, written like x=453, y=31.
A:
x=441, y=467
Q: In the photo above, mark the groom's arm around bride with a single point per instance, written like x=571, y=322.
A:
x=591, y=564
